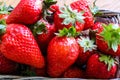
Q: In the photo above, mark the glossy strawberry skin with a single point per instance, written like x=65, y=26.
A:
x=74, y=72
x=7, y=66
x=19, y=45
x=103, y=47
x=26, y=12
x=83, y=57
x=62, y=53
x=98, y=70
x=54, y=8
x=44, y=38
x=82, y=5
x=58, y=22
x=98, y=27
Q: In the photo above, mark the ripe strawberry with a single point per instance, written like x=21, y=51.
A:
x=98, y=27
x=101, y=66
x=108, y=41
x=19, y=45
x=67, y=17
x=87, y=48
x=26, y=12
x=54, y=8
x=62, y=52
x=7, y=66
x=82, y=5
x=40, y=71
x=44, y=32
x=74, y=72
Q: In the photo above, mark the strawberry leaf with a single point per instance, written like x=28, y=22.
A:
x=2, y=26
x=95, y=10
x=46, y=6
x=115, y=46
x=111, y=34
x=4, y=9
x=70, y=16
x=48, y=3
x=2, y=29
x=87, y=44
x=71, y=32
x=108, y=60
x=39, y=28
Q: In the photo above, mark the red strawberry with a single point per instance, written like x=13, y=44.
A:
x=62, y=52
x=108, y=41
x=40, y=71
x=101, y=66
x=74, y=72
x=82, y=5
x=44, y=32
x=87, y=48
x=19, y=45
x=7, y=66
x=26, y=12
x=67, y=17
x=54, y=8
x=98, y=27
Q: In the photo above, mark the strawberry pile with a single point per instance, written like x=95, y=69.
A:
x=40, y=38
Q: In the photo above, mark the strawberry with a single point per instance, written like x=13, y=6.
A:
x=108, y=41
x=44, y=32
x=66, y=17
x=54, y=8
x=6, y=65
x=101, y=66
x=74, y=72
x=87, y=48
x=26, y=12
x=19, y=45
x=62, y=52
x=82, y=5
x=98, y=27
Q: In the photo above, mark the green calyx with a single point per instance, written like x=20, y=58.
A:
x=4, y=9
x=108, y=60
x=111, y=34
x=46, y=7
x=39, y=28
x=87, y=44
x=48, y=3
x=2, y=27
x=95, y=10
x=70, y=16
x=71, y=32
